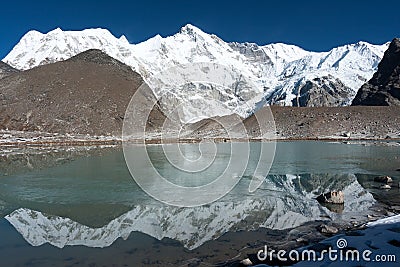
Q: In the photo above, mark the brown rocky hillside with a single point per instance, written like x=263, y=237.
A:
x=86, y=94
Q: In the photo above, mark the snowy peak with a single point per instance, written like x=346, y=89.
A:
x=284, y=51
x=195, y=34
x=362, y=46
x=36, y=48
x=31, y=37
x=123, y=39
x=191, y=30
x=360, y=56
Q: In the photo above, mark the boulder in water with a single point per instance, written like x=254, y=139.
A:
x=333, y=197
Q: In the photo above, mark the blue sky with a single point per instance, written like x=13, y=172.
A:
x=313, y=25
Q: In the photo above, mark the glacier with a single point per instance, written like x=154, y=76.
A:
x=276, y=71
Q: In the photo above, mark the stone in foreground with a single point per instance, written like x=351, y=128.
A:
x=383, y=179
x=326, y=229
x=333, y=197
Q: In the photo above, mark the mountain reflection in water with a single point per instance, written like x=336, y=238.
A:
x=282, y=202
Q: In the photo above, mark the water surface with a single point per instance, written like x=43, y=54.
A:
x=78, y=206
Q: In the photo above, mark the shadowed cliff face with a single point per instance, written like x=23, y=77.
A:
x=384, y=87
x=86, y=94
x=322, y=92
x=325, y=91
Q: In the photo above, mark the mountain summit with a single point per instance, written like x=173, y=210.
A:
x=281, y=74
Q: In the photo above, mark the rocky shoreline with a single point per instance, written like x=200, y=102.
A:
x=354, y=123
x=311, y=235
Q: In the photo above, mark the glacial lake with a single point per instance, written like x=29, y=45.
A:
x=79, y=206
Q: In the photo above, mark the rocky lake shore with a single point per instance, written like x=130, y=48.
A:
x=292, y=123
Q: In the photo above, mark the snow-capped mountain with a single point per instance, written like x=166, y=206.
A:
x=36, y=48
x=281, y=204
x=275, y=71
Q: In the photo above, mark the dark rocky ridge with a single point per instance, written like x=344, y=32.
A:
x=384, y=87
x=6, y=70
x=326, y=91
x=86, y=94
